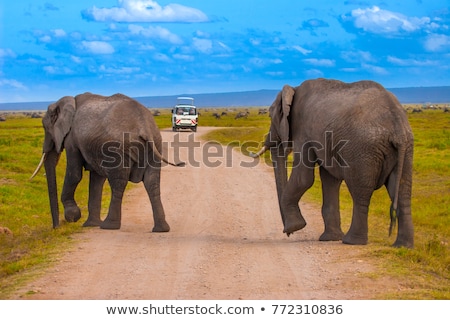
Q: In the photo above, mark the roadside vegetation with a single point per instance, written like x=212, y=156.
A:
x=28, y=243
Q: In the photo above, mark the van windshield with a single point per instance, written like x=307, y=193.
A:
x=186, y=111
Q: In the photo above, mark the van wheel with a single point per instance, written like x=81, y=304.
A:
x=194, y=129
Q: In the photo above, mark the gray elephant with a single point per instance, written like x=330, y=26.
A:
x=114, y=138
x=355, y=132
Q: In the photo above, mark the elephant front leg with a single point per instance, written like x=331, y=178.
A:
x=96, y=183
x=152, y=185
x=114, y=217
x=300, y=181
x=72, y=212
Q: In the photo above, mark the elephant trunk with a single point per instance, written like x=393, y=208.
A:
x=280, y=169
x=279, y=154
x=50, y=160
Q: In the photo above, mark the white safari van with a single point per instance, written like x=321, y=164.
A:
x=184, y=114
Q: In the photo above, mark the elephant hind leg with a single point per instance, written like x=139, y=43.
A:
x=330, y=207
x=96, y=183
x=405, y=235
x=152, y=179
x=358, y=232
x=114, y=217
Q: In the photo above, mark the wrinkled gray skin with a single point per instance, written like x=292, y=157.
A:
x=115, y=138
x=371, y=146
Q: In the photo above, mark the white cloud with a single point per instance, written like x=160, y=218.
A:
x=302, y=50
x=275, y=73
x=437, y=42
x=202, y=45
x=381, y=21
x=147, y=47
x=75, y=59
x=374, y=69
x=5, y=53
x=314, y=73
x=183, y=57
x=59, y=33
x=202, y=34
x=123, y=70
x=155, y=32
x=261, y=63
x=349, y=69
x=410, y=62
x=320, y=62
x=57, y=70
x=11, y=83
x=161, y=57
x=357, y=56
x=255, y=42
x=45, y=39
x=145, y=11
x=224, y=46
x=97, y=47
x=50, y=69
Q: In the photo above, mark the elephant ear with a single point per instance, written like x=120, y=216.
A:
x=279, y=112
x=62, y=113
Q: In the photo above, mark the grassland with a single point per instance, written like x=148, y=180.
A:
x=24, y=208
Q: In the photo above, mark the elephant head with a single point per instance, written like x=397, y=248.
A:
x=57, y=123
x=278, y=138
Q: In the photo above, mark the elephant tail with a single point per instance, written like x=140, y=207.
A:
x=401, y=149
x=150, y=140
x=161, y=157
x=179, y=164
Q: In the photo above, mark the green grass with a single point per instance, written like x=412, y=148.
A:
x=424, y=271
x=24, y=207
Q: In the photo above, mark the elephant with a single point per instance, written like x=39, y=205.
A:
x=354, y=132
x=114, y=138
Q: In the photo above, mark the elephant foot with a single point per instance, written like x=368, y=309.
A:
x=91, y=222
x=293, y=223
x=72, y=213
x=331, y=236
x=402, y=243
x=161, y=227
x=355, y=240
x=110, y=224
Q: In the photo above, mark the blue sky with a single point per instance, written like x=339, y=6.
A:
x=52, y=48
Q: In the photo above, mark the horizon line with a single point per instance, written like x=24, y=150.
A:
x=211, y=93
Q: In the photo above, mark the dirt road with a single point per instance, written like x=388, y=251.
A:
x=226, y=242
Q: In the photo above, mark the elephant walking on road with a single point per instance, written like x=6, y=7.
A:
x=115, y=138
x=357, y=133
